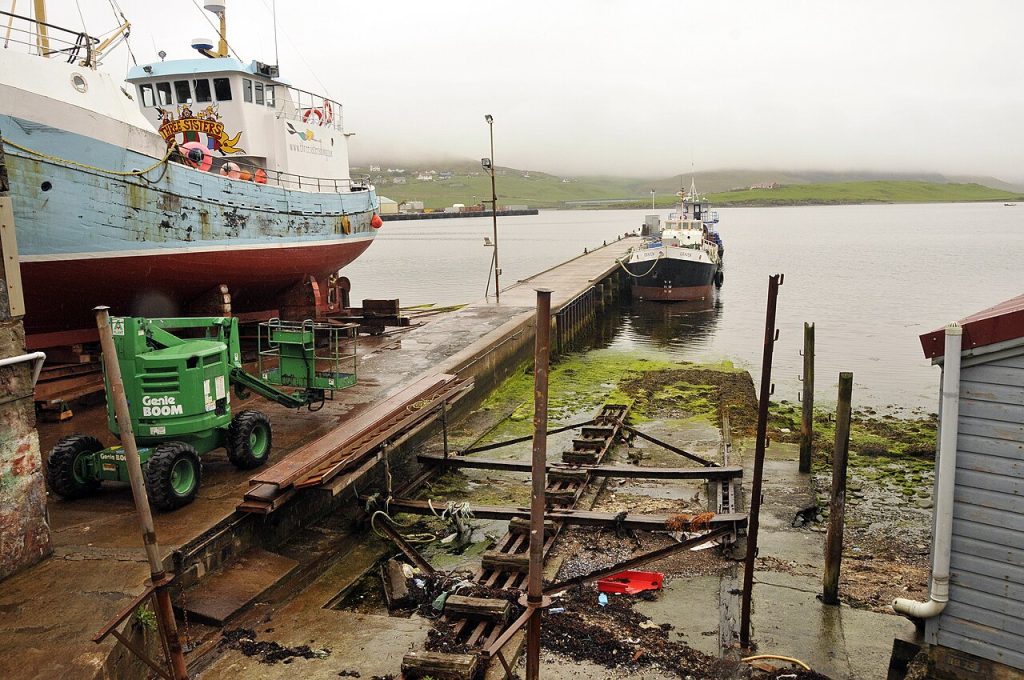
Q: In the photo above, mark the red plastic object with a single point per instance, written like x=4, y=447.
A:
x=631, y=582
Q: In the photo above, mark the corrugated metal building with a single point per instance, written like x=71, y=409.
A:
x=984, y=618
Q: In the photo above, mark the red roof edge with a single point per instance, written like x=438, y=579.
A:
x=1000, y=323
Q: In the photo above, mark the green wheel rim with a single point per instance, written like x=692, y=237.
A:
x=183, y=476
x=258, y=441
x=80, y=469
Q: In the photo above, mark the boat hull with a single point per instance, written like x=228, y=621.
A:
x=673, y=279
x=150, y=245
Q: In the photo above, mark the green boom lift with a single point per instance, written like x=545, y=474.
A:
x=177, y=374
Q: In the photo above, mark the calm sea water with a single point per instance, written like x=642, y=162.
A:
x=872, y=279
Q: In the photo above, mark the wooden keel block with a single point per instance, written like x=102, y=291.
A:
x=478, y=608
x=499, y=561
x=597, y=431
x=439, y=666
x=579, y=457
x=396, y=587
x=560, y=497
x=588, y=444
x=571, y=476
x=521, y=525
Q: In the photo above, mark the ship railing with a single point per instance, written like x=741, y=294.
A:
x=312, y=109
x=18, y=29
x=243, y=171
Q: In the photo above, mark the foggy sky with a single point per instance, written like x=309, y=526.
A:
x=642, y=87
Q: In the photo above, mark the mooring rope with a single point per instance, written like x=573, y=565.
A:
x=119, y=173
x=640, y=276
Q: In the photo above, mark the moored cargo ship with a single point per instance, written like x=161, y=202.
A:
x=202, y=180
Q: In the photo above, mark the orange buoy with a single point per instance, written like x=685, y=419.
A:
x=197, y=155
x=260, y=176
x=245, y=176
x=376, y=221
x=231, y=170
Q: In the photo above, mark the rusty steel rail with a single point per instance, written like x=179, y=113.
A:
x=594, y=444
x=620, y=471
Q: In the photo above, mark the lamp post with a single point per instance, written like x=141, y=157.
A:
x=652, y=199
x=488, y=164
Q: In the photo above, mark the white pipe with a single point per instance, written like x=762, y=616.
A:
x=946, y=473
x=37, y=357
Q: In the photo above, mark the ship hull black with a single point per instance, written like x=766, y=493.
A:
x=673, y=280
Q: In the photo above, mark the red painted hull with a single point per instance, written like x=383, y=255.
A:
x=676, y=294
x=60, y=295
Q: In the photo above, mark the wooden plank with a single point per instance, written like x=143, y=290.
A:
x=521, y=525
x=994, y=374
x=439, y=666
x=990, y=446
x=978, y=648
x=306, y=458
x=396, y=588
x=478, y=608
x=499, y=561
x=976, y=599
x=1008, y=537
x=995, y=429
x=1004, y=484
x=985, y=391
x=990, y=499
x=1007, y=413
x=579, y=457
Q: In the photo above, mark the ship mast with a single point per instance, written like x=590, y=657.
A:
x=220, y=9
x=42, y=31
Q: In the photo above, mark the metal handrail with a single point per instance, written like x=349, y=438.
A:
x=286, y=180
x=72, y=48
x=308, y=105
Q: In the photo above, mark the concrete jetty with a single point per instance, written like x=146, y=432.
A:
x=52, y=610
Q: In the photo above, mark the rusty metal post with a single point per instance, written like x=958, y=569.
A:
x=837, y=504
x=807, y=420
x=770, y=336
x=164, y=611
x=535, y=585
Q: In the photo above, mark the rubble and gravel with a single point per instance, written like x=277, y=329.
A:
x=268, y=651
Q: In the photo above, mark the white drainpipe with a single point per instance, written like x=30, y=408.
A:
x=37, y=357
x=946, y=473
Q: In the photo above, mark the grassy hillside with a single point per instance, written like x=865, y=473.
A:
x=542, y=190
x=880, y=191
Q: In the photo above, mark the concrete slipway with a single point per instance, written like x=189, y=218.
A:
x=51, y=611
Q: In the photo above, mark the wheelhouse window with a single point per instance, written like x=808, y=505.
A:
x=163, y=91
x=202, y=88
x=247, y=90
x=146, y=94
x=259, y=93
x=182, y=92
x=222, y=88
x=271, y=96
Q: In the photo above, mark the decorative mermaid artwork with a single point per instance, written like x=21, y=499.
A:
x=190, y=126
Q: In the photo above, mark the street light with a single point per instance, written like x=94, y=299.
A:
x=488, y=164
x=652, y=199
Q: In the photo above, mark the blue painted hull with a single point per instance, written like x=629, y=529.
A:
x=88, y=237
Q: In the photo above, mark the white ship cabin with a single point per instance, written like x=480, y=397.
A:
x=242, y=121
x=688, y=227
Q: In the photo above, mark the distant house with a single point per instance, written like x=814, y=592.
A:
x=398, y=180
x=374, y=168
x=446, y=174
x=388, y=206
x=425, y=177
x=526, y=175
x=765, y=185
x=411, y=206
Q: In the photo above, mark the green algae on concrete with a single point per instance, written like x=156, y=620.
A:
x=580, y=383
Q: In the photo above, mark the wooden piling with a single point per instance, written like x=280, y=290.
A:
x=807, y=421
x=837, y=506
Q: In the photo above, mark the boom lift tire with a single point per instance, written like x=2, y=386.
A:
x=249, y=439
x=172, y=475
x=63, y=466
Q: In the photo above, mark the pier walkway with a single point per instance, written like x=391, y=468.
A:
x=52, y=610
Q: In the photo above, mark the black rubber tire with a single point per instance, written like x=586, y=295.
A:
x=240, y=439
x=719, y=278
x=158, y=475
x=60, y=466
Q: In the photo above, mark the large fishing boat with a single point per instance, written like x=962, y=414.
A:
x=681, y=260
x=201, y=184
